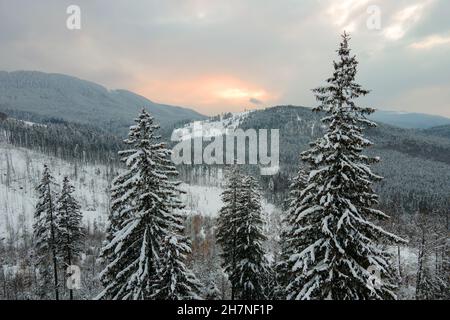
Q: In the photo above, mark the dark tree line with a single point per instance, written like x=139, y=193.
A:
x=69, y=141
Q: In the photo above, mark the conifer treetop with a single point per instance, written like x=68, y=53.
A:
x=335, y=216
x=144, y=212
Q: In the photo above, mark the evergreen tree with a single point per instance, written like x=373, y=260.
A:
x=176, y=281
x=227, y=224
x=431, y=278
x=143, y=202
x=240, y=235
x=252, y=273
x=69, y=221
x=335, y=214
x=211, y=291
x=45, y=234
x=291, y=239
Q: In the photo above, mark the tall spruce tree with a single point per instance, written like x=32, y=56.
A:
x=176, y=281
x=431, y=277
x=335, y=214
x=291, y=237
x=227, y=224
x=69, y=221
x=252, y=272
x=45, y=230
x=143, y=201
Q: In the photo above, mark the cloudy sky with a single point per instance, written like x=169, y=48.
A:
x=231, y=55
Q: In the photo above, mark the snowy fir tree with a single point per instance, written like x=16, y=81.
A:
x=45, y=235
x=227, y=224
x=431, y=277
x=176, y=281
x=252, y=269
x=291, y=237
x=336, y=211
x=144, y=199
x=211, y=291
x=240, y=235
x=70, y=230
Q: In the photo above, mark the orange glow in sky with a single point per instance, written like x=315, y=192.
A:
x=209, y=95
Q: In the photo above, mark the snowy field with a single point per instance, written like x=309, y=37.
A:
x=210, y=128
x=206, y=200
x=21, y=170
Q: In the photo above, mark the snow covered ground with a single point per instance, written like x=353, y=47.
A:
x=206, y=200
x=20, y=172
x=210, y=128
x=202, y=200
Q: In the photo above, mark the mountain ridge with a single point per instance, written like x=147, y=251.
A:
x=413, y=161
x=70, y=98
x=409, y=120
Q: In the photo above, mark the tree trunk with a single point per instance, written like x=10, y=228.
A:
x=233, y=263
x=52, y=235
x=420, y=266
x=69, y=262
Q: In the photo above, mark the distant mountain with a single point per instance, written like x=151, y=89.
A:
x=69, y=98
x=441, y=131
x=299, y=126
x=413, y=162
x=409, y=120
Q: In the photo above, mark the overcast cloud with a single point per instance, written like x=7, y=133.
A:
x=232, y=55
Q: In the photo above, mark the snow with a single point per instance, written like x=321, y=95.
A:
x=210, y=128
x=269, y=171
x=202, y=200
x=17, y=192
x=207, y=201
x=409, y=265
x=31, y=124
x=18, y=200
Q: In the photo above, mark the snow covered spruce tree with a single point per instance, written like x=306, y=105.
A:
x=144, y=200
x=227, y=224
x=291, y=237
x=240, y=235
x=70, y=229
x=252, y=269
x=343, y=246
x=45, y=231
x=176, y=281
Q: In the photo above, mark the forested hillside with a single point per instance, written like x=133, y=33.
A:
x=417, y=164
x=416, y=181
x=34, y=96
x=440, y=131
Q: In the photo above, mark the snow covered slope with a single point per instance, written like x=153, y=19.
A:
x=412, y=161
x=213, y=127
x=206, y=201
x=21, y=169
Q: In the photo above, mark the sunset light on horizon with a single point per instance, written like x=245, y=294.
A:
x=209, y=95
